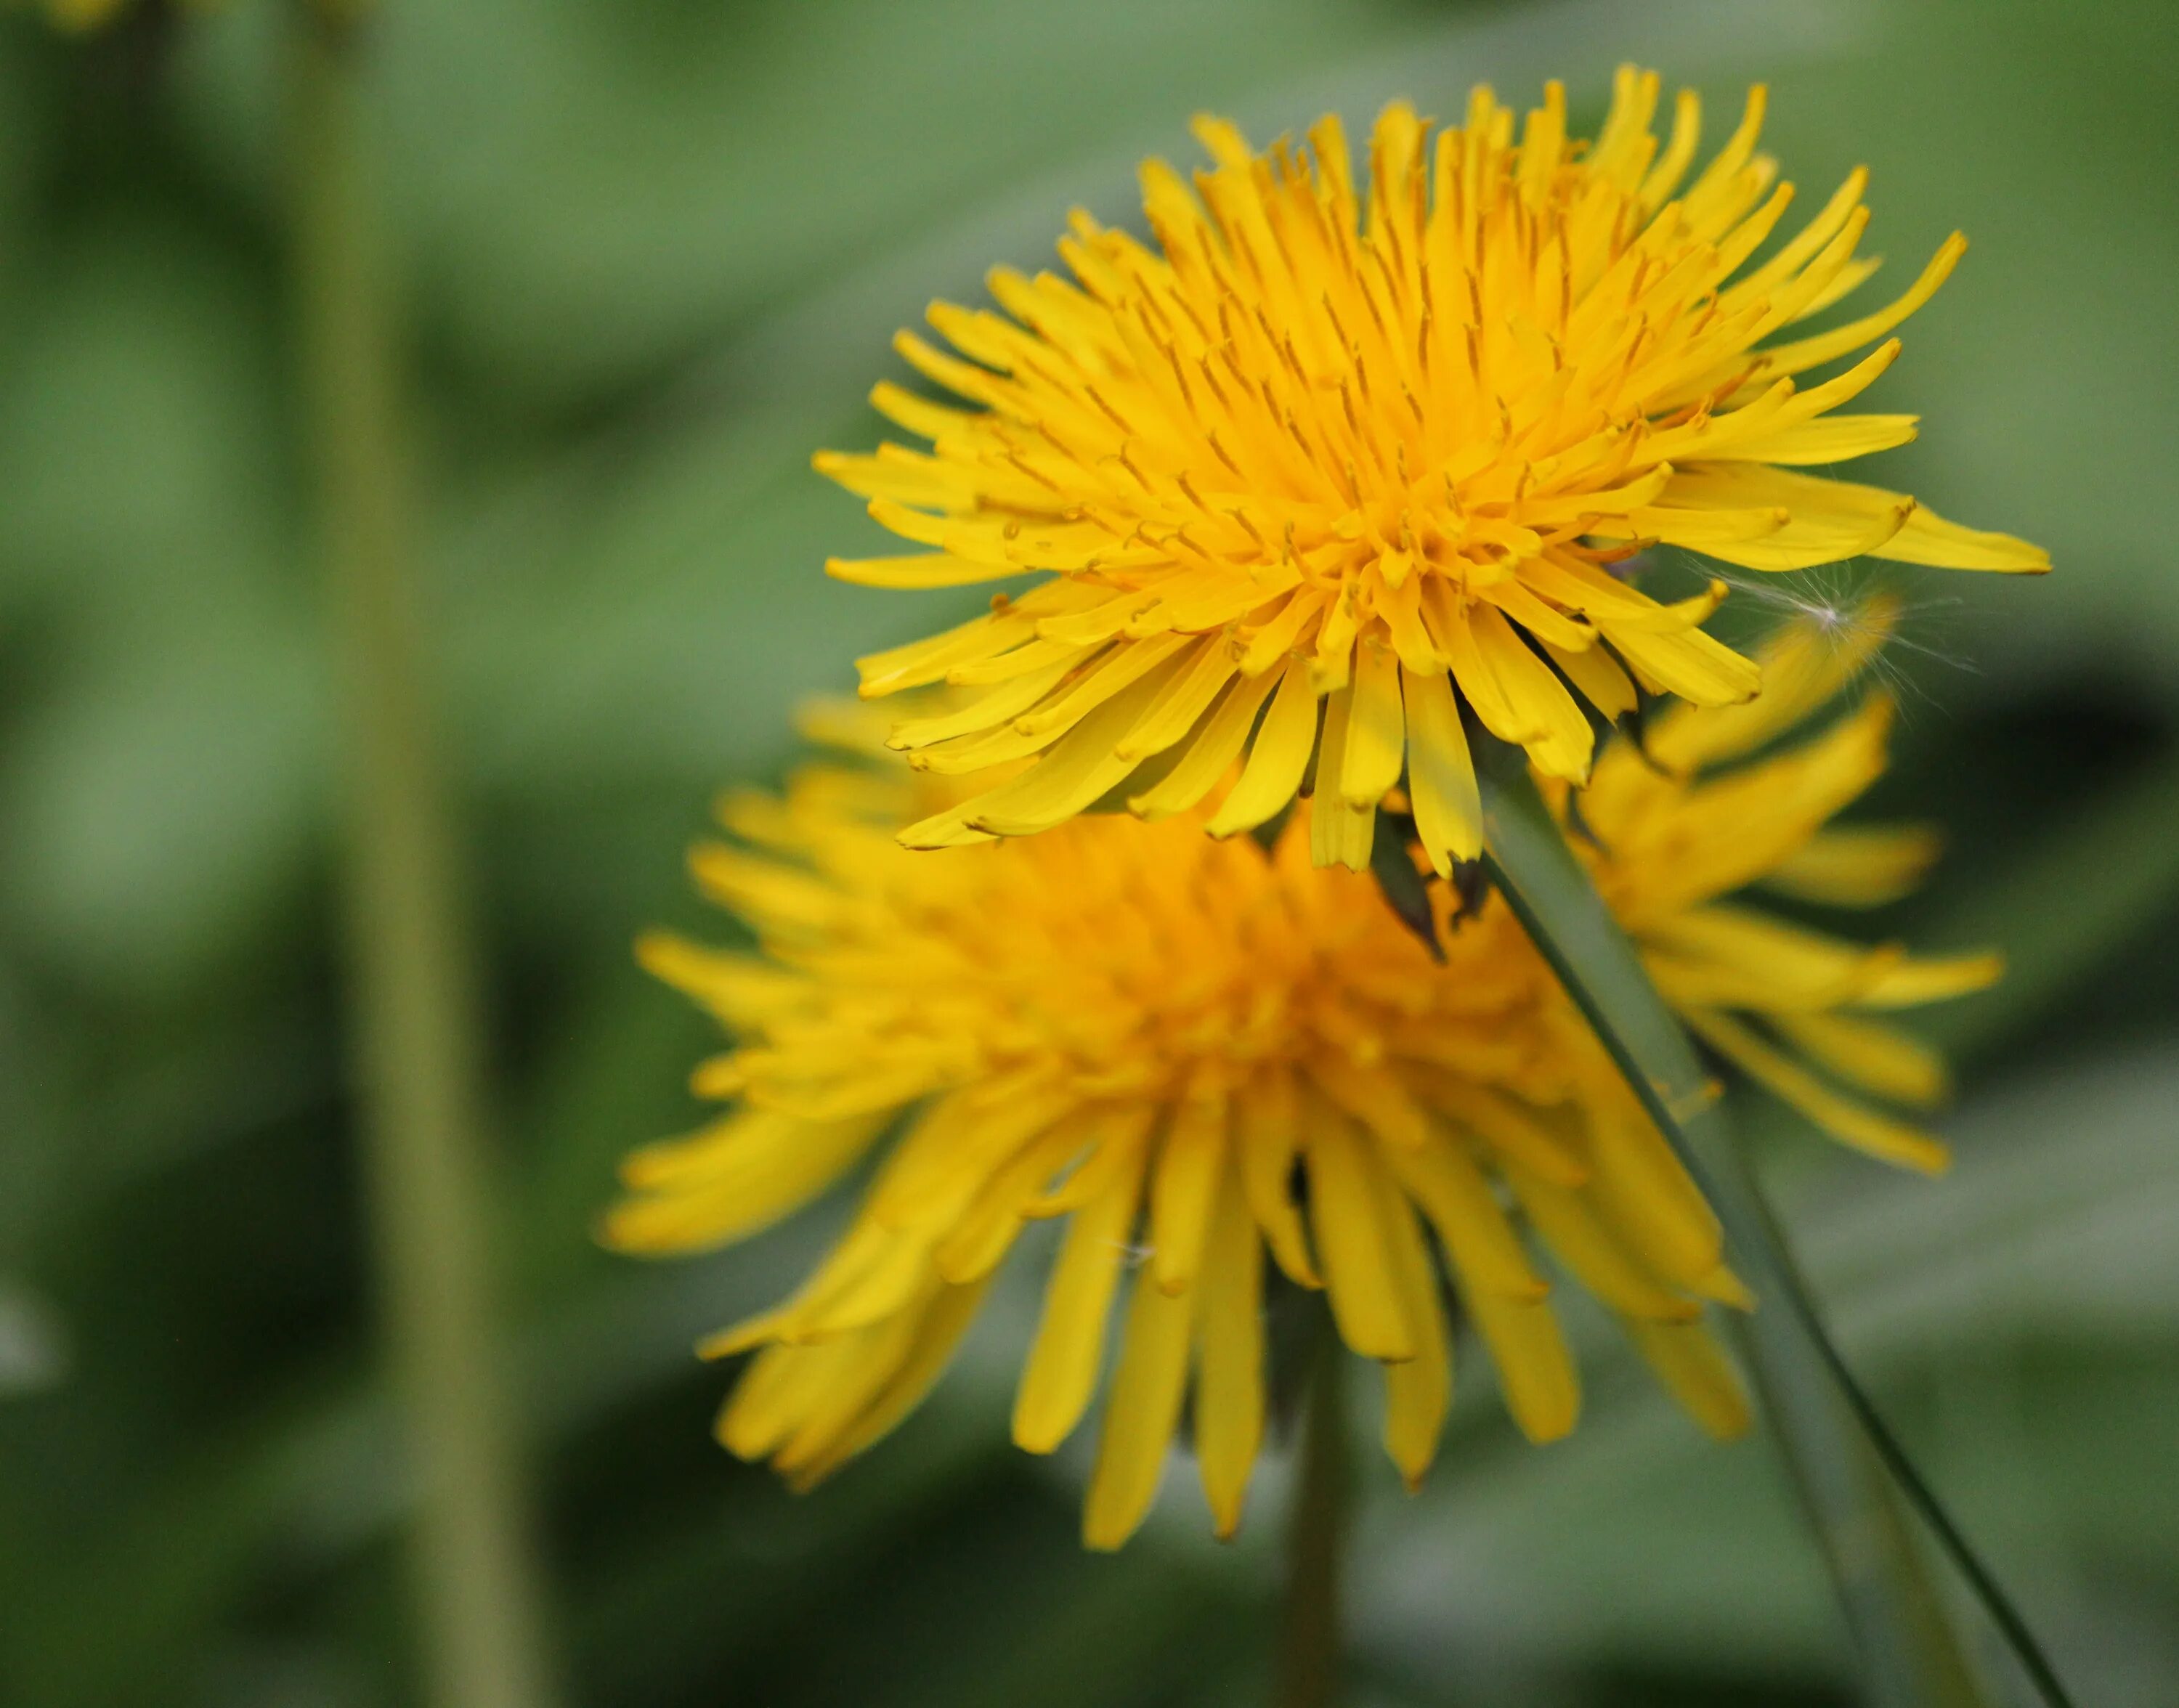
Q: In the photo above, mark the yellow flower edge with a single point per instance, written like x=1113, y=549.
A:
x=1191, y=1052
x=1320, y=465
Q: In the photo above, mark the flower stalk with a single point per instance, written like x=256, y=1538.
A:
x=1838, y=1448
x=1309, y=1637
x=413, y=993
x=1912, y=1656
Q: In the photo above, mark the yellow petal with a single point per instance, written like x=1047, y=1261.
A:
x=1139, y=1415
x=1516, y=1130
x=1825, y=347
x=1229, y=1351
x=1189, y=693
x=1440, y=773
x=1589, y=1246
x=1267, y=1139
x=1846, y=1120
x=1535, y=1372
x=1376, y=740
x=1374, y=1096
x=1344, y=1209
x=1277, y=759
x=1602, y=683
x=1341, y=831
x=1060, y=1372
x=1081, y=767
x=739, y=1175
x=1562, y=742
x=1858, y=865
x=1182, y=1194
x=1689, y=1362
x=938, y=1333
x=1417, y=1392
x=1689, y=663
x=1877, y=1058
x=1212, y=754
x=1805, y=665
x=1477, y=1239
x=923, y=569
x=987, y=1230
x=1640, y=1184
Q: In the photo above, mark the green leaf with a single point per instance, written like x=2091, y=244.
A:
x=1836, y=1443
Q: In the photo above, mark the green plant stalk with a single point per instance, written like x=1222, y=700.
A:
x=1897, y=1615
x=413, y=999
x=1837, y=1445
x=1310, y=1640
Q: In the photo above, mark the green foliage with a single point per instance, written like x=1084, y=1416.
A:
x=653, y=252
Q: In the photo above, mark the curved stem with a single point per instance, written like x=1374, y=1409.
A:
x=412, y=996
x=1316, y=1539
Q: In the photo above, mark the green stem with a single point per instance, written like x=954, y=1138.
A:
x=413, y=999
x=1900, y=1626
x=1838, y=1445
x=1316, y=1538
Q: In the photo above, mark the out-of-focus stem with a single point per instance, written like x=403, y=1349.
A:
x=1316, y=1540
x=1910, y=1653
x=412, y=996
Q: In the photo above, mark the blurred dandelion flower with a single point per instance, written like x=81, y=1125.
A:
x=1193, y=1051
x=1379, y=451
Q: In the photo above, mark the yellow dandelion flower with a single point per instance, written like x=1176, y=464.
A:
x=1191, y=1051
x=1378, y=452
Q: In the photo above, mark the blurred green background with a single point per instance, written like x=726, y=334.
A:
x=652, y=252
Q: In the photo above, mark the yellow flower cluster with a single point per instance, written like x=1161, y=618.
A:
x=1194, y=1052
x=1345, y=468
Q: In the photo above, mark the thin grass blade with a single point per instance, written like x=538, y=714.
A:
x=1837, y=1444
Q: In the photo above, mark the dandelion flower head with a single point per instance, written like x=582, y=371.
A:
x=1321, y=464
x=1193, y=1053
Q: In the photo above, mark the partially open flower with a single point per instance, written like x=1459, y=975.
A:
x=1193, y=1051
x=1378, y=452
